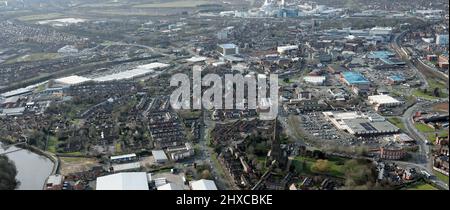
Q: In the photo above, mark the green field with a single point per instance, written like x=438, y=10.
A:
x=432, y=136
x=441, y=176
x=423, y=127
x=175, y=4
x=397, y=122
x=34, y=57
x=420, y=94
x=52, y=143
x=40, y=17
x=335, y=169
x=421, y=187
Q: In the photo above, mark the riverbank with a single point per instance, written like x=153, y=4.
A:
x=24, y=165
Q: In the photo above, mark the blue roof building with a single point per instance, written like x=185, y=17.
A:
x=354, y=78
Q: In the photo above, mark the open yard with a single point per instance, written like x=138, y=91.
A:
x=76, y=164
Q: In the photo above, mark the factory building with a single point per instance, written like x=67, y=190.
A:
x=379, y=101
x=360, y=124
x=228, y=49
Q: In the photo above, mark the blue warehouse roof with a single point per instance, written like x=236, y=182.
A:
x=354, y=78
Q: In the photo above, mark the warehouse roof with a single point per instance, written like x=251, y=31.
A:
x=203, y=184
x=382, y=99
x=123, y=181
x=72, y=80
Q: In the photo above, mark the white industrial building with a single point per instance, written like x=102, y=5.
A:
x=72, y=80
x=315, y=80
x=228, y=49
x=140, y=70
x=159, y=156
x=203, y=184
x=360, y=124
x=123, y=181
x=169, y=186
x=286, y=49
x=196, y=59
x=68, y=49
x=383, y=101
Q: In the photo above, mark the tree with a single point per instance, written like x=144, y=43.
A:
x=436, y=92
x=321, y=166
x=206, y=174
x=8, y=174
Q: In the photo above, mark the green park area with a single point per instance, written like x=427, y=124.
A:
x=421, y=186
x=306, y=165
x=422, y=127
x=441, y=176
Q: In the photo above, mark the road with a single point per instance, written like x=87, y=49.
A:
x=423, y=160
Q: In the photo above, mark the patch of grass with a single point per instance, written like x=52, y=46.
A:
x=436, y=84
x=423, y=127
x=431, y=137
x=304, y=165
x=441, y=176
x=34, y=57
x=73, y=153
x=421, y=187
x=118, y=147
x=74, y=159
x=397, y=122
x=52, y=143
x=40, y=17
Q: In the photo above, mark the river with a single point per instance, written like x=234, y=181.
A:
x=32, y=169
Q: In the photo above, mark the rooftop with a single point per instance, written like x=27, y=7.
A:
x=123, y=181
x=354, y=78
x=72, y=80
x=203, y=184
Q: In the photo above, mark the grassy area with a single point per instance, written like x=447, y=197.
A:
x=423, y=127
x=217, y=164
x=436, y=84
x=441, y=176
x=397, y=122
x=74, y=159
x=175, y=4
x=432, y=136
x=118, y=147
x=40, y=17
x=421, y=187
x=304, y=165
x=421, y=94
x=52, y=143
x=73, y=153
x=34, y=57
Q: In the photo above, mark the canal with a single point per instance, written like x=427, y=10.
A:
x=32, y=169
